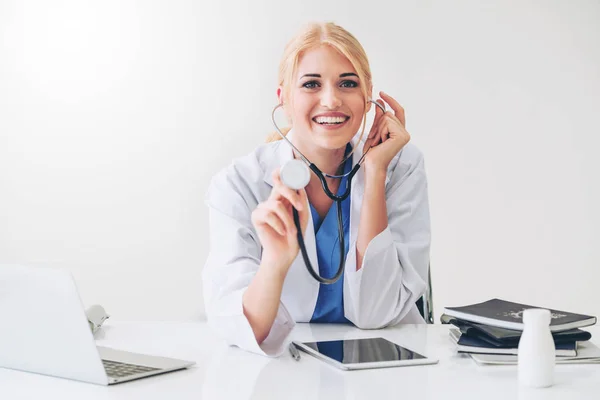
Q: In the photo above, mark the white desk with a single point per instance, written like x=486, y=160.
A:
x=224, y=372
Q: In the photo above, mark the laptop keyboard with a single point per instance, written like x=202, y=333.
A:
x=116, y=369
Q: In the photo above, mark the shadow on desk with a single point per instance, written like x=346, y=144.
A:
x=236, y=374
x=233, y=373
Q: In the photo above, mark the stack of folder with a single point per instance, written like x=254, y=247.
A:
x=490, y=331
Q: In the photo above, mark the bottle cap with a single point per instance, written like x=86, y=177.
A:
x=536, y=316
x=295, y=174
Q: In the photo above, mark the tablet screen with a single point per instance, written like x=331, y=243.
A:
x=357, y=351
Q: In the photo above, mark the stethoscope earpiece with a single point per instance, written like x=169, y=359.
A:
x=377, y=104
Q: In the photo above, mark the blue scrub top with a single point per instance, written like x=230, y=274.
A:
x=330, y=301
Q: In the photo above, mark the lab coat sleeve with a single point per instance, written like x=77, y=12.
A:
x=234, y=258
x=396, y=261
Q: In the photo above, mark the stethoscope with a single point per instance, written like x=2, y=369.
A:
x=295, y=174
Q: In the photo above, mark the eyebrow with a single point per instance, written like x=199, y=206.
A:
x=344, y=75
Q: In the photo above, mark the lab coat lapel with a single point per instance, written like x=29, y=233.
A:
x=356, y=198
x=300, y=290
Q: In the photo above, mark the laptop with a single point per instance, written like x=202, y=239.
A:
x=45, y=331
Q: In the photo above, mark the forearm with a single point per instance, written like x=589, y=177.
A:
x=261, y=299
x=373, y=213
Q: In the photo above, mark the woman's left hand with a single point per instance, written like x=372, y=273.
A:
x=388, y=135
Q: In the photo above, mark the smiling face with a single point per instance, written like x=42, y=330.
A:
x=327, y=102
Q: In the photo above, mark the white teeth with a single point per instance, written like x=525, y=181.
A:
x=330, y=120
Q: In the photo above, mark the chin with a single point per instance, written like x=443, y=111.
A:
x=331, y=138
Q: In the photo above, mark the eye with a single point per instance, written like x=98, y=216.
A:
x=310, y=85
x=349, y=84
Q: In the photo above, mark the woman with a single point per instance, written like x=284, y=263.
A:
x=256, y=285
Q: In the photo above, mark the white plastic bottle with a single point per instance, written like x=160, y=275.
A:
x=536, y=354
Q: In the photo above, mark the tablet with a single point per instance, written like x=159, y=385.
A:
x=364, y=353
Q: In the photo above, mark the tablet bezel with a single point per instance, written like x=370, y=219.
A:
x=366, y=365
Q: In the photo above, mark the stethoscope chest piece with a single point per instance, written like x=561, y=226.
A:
x=295, y=174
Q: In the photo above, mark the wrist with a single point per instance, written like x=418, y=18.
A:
x=374, y=172
x=275, y=266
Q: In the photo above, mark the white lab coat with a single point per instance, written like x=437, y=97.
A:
x=383, y=292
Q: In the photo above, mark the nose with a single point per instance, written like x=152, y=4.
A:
x=330, y=98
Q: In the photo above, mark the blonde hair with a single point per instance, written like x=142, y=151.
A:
x=315, y=35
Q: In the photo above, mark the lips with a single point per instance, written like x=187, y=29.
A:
x=332, y=126
x=331, y=118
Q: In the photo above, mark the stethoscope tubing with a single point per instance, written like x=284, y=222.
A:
x=338, y=200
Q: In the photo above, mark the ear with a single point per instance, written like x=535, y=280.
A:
x=369, y=97
x=281, y=101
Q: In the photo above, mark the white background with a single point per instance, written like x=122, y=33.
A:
x=115, y=114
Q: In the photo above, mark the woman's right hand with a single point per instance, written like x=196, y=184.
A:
x=274, y=222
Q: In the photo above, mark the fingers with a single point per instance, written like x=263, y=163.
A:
x=303, y=196
x=384, y=131
x=380, y=132
x=398, y=109
x=303, y=215
x=280, y=190
x=262, y=217
x=376, y=120
x=284, y=214
x=276, y=215
x=274, y=222
x=389, y=129
x=276, y=212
